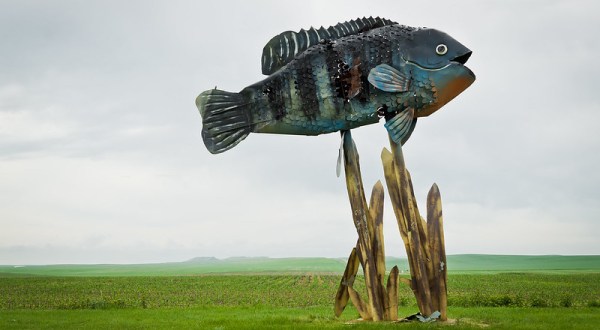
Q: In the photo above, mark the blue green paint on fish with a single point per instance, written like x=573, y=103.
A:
x=336, y=79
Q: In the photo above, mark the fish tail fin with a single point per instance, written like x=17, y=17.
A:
x=226, y=119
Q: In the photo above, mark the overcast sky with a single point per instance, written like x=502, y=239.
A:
x=101, y=158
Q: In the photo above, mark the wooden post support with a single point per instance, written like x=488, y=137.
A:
x=364, y=226
x=342, y=295
x=392, y=290
x=413, y=227
x=423, y=241
x=438, y=251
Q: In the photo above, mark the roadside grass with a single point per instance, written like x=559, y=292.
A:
x=260, y=317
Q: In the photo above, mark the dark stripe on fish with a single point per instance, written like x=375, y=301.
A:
x=274, y=90
x=307, y=89
x=332, y=59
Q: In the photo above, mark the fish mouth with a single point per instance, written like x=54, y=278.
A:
x=462, y=59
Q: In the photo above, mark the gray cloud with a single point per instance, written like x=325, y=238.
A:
x=100, y=147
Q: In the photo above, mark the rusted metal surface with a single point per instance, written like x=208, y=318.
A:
x=362, y=222
x=435, y=225
x=342, y=296
x=423, y=241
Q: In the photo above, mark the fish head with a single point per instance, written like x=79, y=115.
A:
x=434, y=49
x=437, y=62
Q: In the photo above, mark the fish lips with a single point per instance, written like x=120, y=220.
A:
x=462, y=59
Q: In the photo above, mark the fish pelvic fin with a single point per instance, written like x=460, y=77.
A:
x=401, y=126
x=226, y=119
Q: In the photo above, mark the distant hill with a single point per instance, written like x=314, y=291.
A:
x=201, y=260
x=466, y=263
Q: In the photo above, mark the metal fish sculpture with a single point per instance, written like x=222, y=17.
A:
x=336, y=79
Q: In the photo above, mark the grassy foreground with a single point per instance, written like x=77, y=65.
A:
x=504, y=301
x=291, y=318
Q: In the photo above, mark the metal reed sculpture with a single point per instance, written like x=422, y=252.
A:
x=343, y=77
x=423, y=241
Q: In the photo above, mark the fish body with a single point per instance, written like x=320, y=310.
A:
x=347, y=76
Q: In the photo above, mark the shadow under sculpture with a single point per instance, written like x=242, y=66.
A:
x=423, y=241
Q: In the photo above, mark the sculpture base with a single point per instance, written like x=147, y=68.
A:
x=423, y=241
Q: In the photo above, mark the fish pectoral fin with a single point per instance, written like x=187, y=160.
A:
x=389, y=79
x=401, y=126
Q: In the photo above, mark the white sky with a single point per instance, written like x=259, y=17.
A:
x=101, y=158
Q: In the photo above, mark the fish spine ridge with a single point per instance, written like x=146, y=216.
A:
x=281, y=49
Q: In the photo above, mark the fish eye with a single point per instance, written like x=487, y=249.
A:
x=441, y=49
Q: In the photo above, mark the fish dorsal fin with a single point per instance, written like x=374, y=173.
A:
x=281, y=49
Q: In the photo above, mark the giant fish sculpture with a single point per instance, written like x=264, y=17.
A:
x=336, y=79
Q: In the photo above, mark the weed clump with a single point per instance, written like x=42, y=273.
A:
x=539, y=302
x=594, y=303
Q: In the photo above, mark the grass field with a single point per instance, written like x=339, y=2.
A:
x=472, y=263
x=90, y=297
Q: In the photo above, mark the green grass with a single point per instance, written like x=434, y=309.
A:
x=498, y=290
x=503, y=301
x=219, y=317
x=194, y=267
x=550, y=292
x=504, y=263
x=456, y=263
